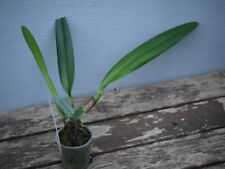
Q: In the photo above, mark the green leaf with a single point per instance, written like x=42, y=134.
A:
x=31, y=42
x=65, y=108
x=65, y=54
x=145, y=53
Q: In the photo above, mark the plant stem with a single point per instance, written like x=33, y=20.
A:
x=91, y=103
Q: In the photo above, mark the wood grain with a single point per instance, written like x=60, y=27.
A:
x=187, y=152
x=38, y=119
x=117, y=134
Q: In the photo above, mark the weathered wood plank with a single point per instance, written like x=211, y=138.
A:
x=120, y=133
x=194, y=150
x=38, y=118
x=220, y=166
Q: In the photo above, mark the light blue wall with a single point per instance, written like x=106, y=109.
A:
x=103, y=31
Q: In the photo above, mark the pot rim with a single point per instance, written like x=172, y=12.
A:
x=76, y=147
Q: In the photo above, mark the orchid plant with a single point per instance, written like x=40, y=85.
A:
x=67, y=108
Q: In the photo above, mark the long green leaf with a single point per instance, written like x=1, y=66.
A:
x=31, y=42
x=65, y=54
x=145, y=53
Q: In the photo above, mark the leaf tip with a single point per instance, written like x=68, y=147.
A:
x=61, y=19
x=194, y=24
x=23, y=28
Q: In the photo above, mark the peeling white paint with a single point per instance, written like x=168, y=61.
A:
x=99, y=131
x=171, y=96
x=96, y=149
x=155, y=122
x=133, y=121
x=150, y=116
x=147, y=134
x=170, y=110
x=196, y=131
x=104, y=165
x=200, y=103
x=194, y=107
x=173, y=110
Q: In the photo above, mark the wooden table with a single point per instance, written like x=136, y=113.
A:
x=173, y=125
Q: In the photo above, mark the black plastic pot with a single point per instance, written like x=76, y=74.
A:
x=75, y=157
